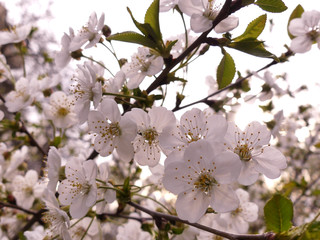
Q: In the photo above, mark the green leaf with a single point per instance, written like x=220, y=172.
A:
x=275, y=6
x=246, y=2
x=252, y=47
x=278, y=213
x=144, y=28
x=254, y=28
x=296, y=13
x=152, y=18
x=226, y=70
x=133, y=37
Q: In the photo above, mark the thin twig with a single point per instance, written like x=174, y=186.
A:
x=9, y=205
x=231, y=236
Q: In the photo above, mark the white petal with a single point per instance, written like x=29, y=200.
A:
x=78, y=208
x=224, y=199
x=301, y=44
x=160, y=117
x=227, y=24
x=270, y=162
x=248, y=174
x=228, y=166
x=191, y=205
x=110, y=109
x=200, y=23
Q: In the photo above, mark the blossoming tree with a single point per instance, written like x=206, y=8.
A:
x=120, y=158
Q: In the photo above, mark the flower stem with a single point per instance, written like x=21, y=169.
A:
x=102, y=65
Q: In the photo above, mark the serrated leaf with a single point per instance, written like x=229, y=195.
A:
x=133, y=37
x=296, y=13
x=275, y=6
x=144, y=28
x=254, y=28
x=152, y=18
x=278, y=214
x=226, y=70
x=252, y=47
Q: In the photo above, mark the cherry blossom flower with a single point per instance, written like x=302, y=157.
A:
x=142, y=64
x=194, y=126
x=203, y=12
x=114, y=85
x=79, y=190
x=38, y=233
x=60, y=110
x=306, y=31
x=112, y=130
x=15, y=34
x=63, y=57
x=150, y=125
x=132, y=230
x=104, y=195
x=79, y=231
x=86, y=90
x=24, y=94
x=255, y=153
x=238, y=220
x=4, y=69
x=53, y=168
x=27, y=189
x=57, y=219
x=201, y=178
x=270, y=87
x=91, y=32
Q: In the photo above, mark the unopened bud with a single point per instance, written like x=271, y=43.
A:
x=106, y=31
x=77, y=54
x=122, y=61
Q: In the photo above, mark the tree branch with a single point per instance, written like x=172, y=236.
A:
x=231, y=236
x=9, y=205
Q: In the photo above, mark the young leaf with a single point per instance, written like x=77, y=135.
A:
x=275, y=6
x=253, y=47
x=254, y=29
x=132, y=37
x=278, y=213
x=296, y=13
x=226, y=70
x=152, y=18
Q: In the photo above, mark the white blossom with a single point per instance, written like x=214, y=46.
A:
x=82, y=230
x=201, y=178
x=87, y=89
x=238, y=220
x=91, y=32
x=203, y=12
x=150, y=125
x=27, y=189
x=142, y=64
x=63, y=57
x=112, y=131
x=306, y=31
x=166, y=5
x=4, y=69
x=194, y=126
x=60, y=110
x=57, y=220
x=24, y=94
x=15, y=34
x=79, y=189
x=255, y=153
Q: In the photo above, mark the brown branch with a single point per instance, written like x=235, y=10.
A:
x=231, y=236
x=9, y=205
x=162, y=78
x=237, y=83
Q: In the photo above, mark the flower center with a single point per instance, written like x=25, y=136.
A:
x=244, y=152
x=205, y=182
x=211, y=9
x=114, y=129
x=314, y=34
x=149, y=135
x=62, y=112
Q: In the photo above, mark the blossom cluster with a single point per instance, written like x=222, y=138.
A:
x=203, y=160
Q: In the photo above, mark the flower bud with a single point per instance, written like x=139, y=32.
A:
x=106, y=30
